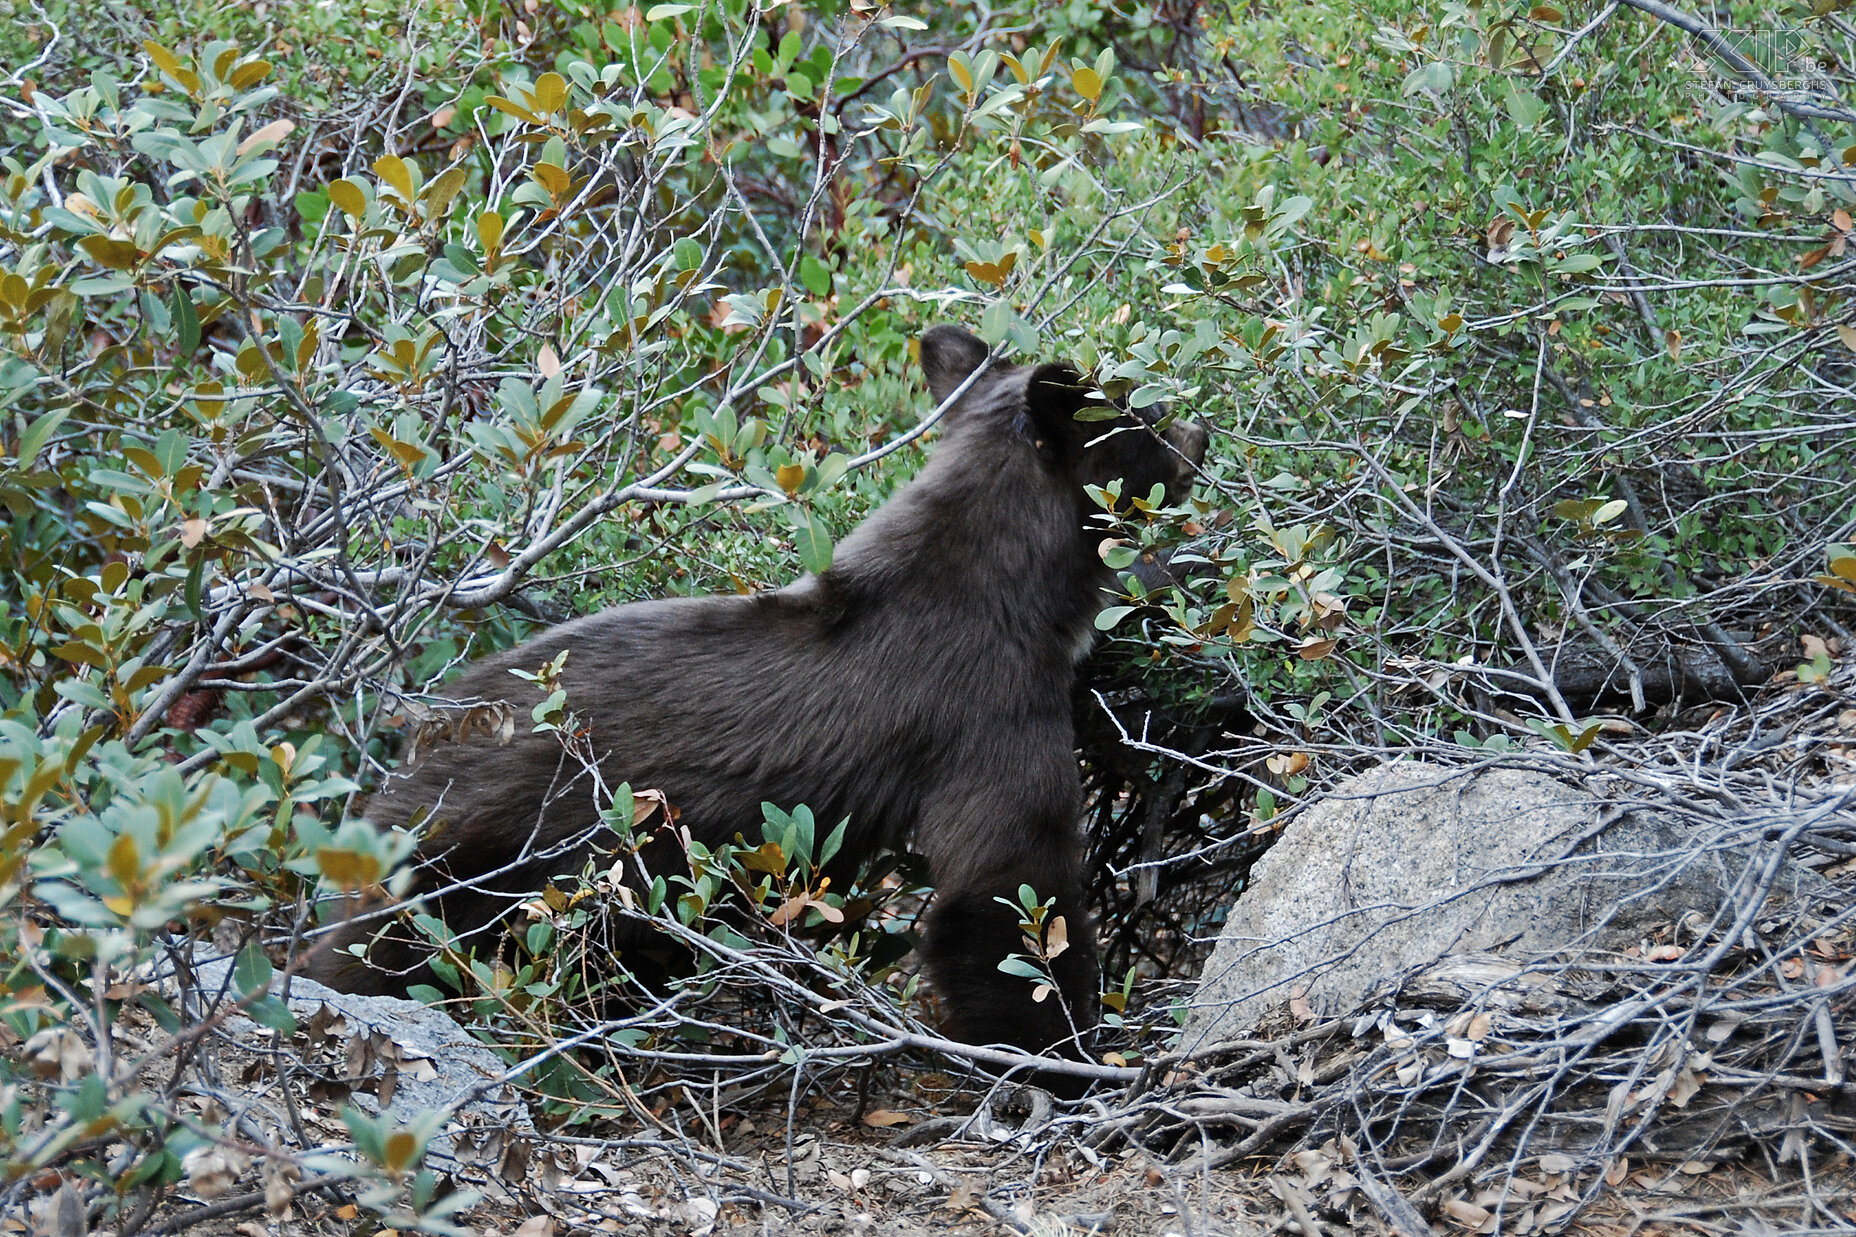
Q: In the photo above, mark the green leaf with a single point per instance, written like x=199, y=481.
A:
x=37, y=435
x=393, y=170
x=957, y=65
x=463, y=259
x=186, y=324
x=269, y=1011
x=348, y=198
x=550, y=92
x=1434, y=78
x=195, y=578
x=830, y=470
x=1524, y=107
x=833, y=843
x=251, y=973
x=1111, y=616
x=514, y=109
x=812, y=540
x=1610, y=511
x=117, y=255
x=443, y=188
x=815, y=275
x=664, y=12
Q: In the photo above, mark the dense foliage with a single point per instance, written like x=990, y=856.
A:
x=343, y=343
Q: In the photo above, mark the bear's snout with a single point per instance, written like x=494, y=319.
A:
x=1189, y=439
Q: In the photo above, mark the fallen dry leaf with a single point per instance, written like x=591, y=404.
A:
x=881, y=1118
x=1467, y=1213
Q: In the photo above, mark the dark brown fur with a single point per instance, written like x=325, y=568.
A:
x=920, y=687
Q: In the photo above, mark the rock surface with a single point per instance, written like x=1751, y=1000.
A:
x=1410, y=863
x=413, y=1054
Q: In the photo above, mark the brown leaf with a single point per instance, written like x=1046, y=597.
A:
x=1498, y=234
x=788, y=911
x=882, y=1118
x=647, y=803
x=1286, y=764
x=1466, y=1213
x=1056, y=937
x=270, y=134
x=993, y=272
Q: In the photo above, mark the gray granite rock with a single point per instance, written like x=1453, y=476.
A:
x=1410, y=863
x=414, y=1054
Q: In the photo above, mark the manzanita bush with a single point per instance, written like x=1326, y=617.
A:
x=295, y=422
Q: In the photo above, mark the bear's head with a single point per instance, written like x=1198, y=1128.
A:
x=1080, y=440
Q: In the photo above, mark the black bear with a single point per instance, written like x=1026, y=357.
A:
x=920, y=687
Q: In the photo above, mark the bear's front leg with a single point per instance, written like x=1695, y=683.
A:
x=969, y=934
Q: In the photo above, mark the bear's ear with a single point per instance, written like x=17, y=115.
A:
x=949, y=354
x=1053, y=396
